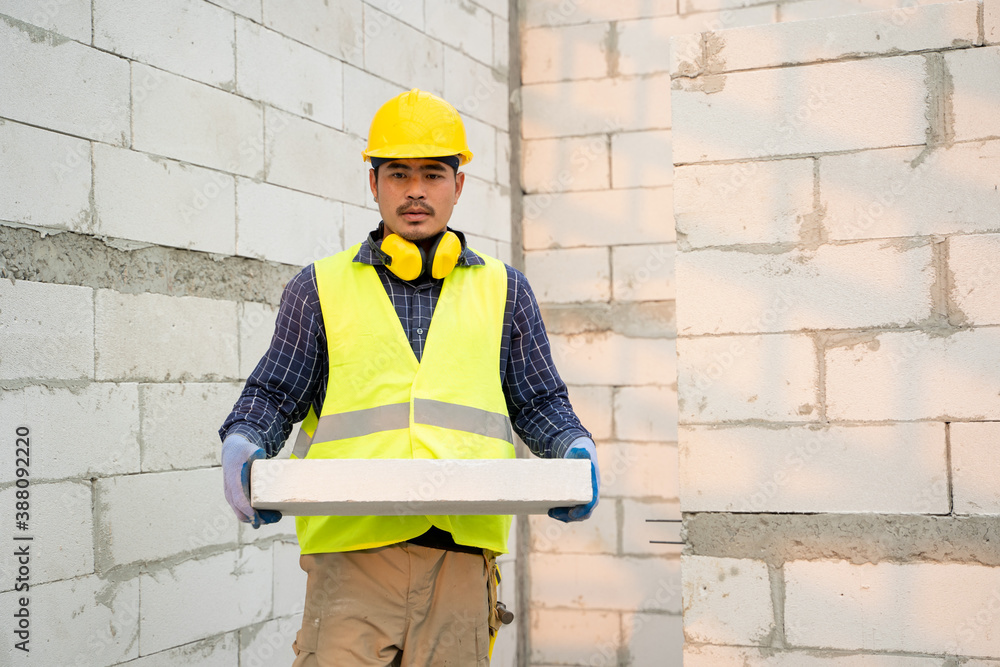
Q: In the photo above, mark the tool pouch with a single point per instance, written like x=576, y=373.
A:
x=493, y=582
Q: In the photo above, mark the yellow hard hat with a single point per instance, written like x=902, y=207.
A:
x=415, y=125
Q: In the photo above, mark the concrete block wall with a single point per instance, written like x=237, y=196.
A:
x=165, y=168
x=836, y=195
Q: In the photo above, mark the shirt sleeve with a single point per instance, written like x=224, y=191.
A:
x=291, y=376
x=537, y=400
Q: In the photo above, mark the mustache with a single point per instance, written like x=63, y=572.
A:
x=415, y=207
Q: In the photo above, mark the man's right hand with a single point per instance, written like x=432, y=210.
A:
x=238, y=454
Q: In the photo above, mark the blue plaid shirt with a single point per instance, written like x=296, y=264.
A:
x=292, y=374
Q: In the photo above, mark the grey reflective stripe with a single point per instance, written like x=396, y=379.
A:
x=357, y=423
x=302, y=444
x=462, y=418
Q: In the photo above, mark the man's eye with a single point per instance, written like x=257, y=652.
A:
x=433, y=175
x=397, y=174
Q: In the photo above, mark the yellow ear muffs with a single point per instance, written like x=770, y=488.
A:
x=444, y=254
x=406, y=259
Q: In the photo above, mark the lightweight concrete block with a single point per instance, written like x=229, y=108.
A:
x=343, y=487
x=144, y=198
x=991, y=21
x=913, y=375
x=567, y=276
x=256, y=329
x=283, y=225
x=563, y=165
x=839, y=469
x=726, y=600
x=180, y=423
x=482, y=140
x=593, y=406
x=503, y=159
x=730, y=378
x=565, y=53
x=190, y=121
x=643, y=524
x=718, y=5
x=186, y=37
x=610, y=217
x=804, y=10
x=127, y=536
x=571, y=637
x=836, y=107
x=45, y=177
x=643, y=46
x=612, y=359
x=99, y=425
x=975, y=92
x=249, y=8
x=641, y=159
x=477, y=90
x=307, y=156
x=335, y=28
x=87, y=614
x=269, y=642
x=67, y=17
x=597, y=535
x=638, y=470
x=598, y=106
x=556, y=12
x=501, y=43
x=461, y=25
x=625, y=584
x=712, y=656
x=836, y=604
x=484, y=210
x=368, y=93
x=49, y=81
x=46, y=331
x=289, y=580
x=407, y=12
x=910, y=192
x=423, y=66
x=240, y=582
x=751, y=202
x=481, y=245
x=289, y=75
x=159, y=337
x=221, y=651
x=358, y=223
x=652, y=638
x=646, y=413
x=643, y=272
x=975, y=461
x=974, y=263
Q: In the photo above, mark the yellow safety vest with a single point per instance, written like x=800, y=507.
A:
x=381, y=403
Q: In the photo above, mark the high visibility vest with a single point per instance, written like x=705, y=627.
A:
x=381, y=403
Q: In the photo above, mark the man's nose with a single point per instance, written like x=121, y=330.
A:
x=415, y=189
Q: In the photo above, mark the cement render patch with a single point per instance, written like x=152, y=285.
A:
x=858, y=538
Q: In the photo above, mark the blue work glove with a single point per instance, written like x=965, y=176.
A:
x=237, y=455
x=581, y=448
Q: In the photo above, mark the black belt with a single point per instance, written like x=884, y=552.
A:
x=436, y=538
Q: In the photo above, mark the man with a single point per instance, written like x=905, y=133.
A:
x=355, y=343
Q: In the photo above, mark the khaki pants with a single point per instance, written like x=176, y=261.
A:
x=402, y=606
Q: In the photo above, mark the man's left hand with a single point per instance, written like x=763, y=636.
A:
x=581, y=448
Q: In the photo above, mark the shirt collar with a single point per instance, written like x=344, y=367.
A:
x=366, y=255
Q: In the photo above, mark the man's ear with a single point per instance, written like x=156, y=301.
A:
x=373, y=183
x=459, y=183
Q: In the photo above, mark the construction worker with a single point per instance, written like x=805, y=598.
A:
x=407, y=345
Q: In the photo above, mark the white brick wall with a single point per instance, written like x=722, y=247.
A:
x=611, y=359
x=991, y=20
x=422, y=68
x=221, y=651
x=726, y=600
x=256, y=329
x=556, y=635
x=566, y=276
x=642, y=523
x=593, y=404
x=554, y=12
x=596, y=535
x=70, y=17
x=638, y=470
x=180, y=423
x=975, y=73
x=462, y=25
x=646, y=413
x=333, y=28
x=563, y=165
x=631, y=584
x=974, y=262
x=975, y=460
x=652, y=639
x=641, y=159
x=716, y=656
x=559, y=54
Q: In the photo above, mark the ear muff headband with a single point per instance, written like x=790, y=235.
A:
x=408, y=261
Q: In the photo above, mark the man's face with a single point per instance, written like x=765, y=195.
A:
x=416, y=196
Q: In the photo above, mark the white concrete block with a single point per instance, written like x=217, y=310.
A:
x=249, y=8
x=836, y=604
x=571, y=637
x=481, y=245
x=839, y=469
x=610, y=217
x=46, y=331
x=804, y=10
x=975, y=93
x=186, y=37
x=386, y=38
x=569, y=276
x=881, y=193
x=189, y=121
x=904, y=376
x=475, y=89
x=717, y=5
x=482, y=140
x=101, y=422
x=941, y=26
x=368, y=93
x=461, y=25
x=652, y=638
x=730, y=378
x=643, y=523
x=50, y=81
x=503, y=159
x=564, y=53
x=180, y=423
x=563, y=165
x=484, y=210
x=286, y=74
x=646, y=413
x=87, y=617
x=974, y=263
x=240, y=582
x=641, y=159
x=714, y=656
x=289, y=580
x=625, y=584
x=144, y=198
x=307, y=156
x=269, y=642
x=125, y=535
x=726, y=600
x=836, y=107
x=221, y=651
x=152, y=336
x=45, y=177
x=505, y=253
x=597, y=535
x=593, y=406
x=975, y=461
x=598, y=106
x=256, y=329
x=638, y=470
x=335, y=28
x=358, y=223
x=343, y=487
x=283, y=225
x=555, y=12
x=749, y=202
x=66, y=17
x=613, y=359
x=499, y=8
x=401, y=10
x=643, y=272
x=991, y=21
x=501, y=42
